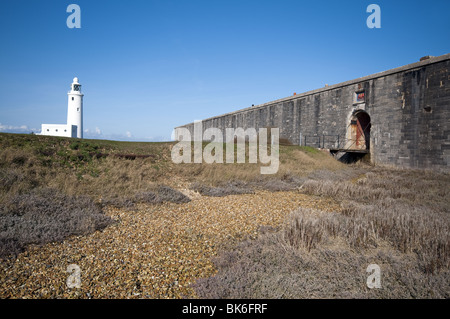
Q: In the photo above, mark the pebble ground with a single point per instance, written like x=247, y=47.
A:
x=155, y=251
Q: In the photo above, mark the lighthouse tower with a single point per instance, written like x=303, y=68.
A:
x=75, y=110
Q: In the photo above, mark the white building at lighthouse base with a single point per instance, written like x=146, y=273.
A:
x=74, y=126
x=63, y=130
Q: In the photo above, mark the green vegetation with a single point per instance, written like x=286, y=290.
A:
x=52, y=188
x=115, y=173
x=111, y=169
x=309, y=149
x=398, y=219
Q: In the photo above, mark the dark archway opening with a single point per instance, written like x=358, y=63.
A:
x=357, y=144
x=359, y=138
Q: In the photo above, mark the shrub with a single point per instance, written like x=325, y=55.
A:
x=168, y=194
x=46, y=215
x=339, y=175
x=286, y=183
x=74, y=145
x=118, y=202
x=8, y=177
x=395, y=218
x=162, y=194
x=147, y=197
x=228, y=188
x=307, y=258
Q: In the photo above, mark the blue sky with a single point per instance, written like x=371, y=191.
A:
x=149, y=66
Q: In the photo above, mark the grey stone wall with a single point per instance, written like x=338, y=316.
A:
x=409, y=108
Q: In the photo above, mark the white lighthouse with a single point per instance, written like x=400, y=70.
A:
x=74, y=126
x=75, y=109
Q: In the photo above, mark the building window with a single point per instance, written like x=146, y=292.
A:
x=56, y=130
x=78, y=109
x=48, y=130
x=359, y=97
x=72, y=98
x=65, y=130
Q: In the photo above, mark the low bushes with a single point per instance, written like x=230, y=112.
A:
x=398, y=219
x=162, y=194
x=46, y=215
x=225, y=189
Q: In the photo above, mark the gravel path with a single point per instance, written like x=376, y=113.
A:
x=153, y=252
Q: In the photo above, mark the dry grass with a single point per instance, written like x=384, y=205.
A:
x=228, y=188
x=398, y=219
x=106, y=169
x=121, y=174
x=270, y=268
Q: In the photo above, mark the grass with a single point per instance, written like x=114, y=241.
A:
x=398, y=219
x=51, y=188
x=93, y=173
x=228, y=188
x=91, y=167
x=110, y=169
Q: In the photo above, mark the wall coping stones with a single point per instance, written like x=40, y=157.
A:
x=414, y=65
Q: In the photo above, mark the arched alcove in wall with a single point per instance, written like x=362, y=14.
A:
x=359, y=131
